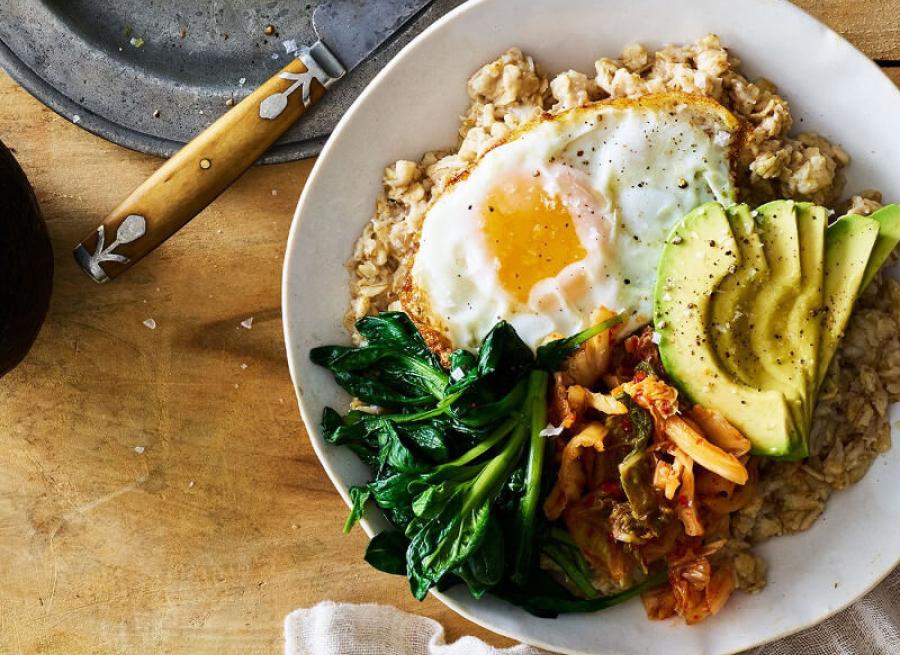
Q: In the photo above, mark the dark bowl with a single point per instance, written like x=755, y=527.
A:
x=26, y=264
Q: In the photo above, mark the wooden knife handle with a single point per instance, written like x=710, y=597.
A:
x=205, y=167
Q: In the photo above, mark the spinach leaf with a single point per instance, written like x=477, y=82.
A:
x=414, y=375
x=396, y=330
x=394, y=490
x=504, y=354
x=387, y=552
x=339, y=431
x=394, y=369
x=429, y=439
x=434, y=500
x=395, y=453
x=351, y=431
x=400, y=517
x=375, y=392
x=462, y=360
x=485, y=567
x=345, y=358
x=444, y=542
x=359, y=496
x=463, y=370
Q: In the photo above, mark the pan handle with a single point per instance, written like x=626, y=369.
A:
x=206, y=166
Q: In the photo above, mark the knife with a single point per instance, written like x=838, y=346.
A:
x=348, y=32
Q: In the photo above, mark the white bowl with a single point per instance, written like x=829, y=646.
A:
x=414, y=105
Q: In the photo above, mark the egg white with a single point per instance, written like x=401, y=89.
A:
x=626, y=171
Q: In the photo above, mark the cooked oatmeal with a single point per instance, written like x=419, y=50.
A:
x=851, y=425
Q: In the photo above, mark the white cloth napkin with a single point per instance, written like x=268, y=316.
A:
x=869, y=627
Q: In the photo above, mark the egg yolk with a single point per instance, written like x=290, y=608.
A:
x=531, y=235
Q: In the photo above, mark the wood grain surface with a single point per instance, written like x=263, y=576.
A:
x=157, y=490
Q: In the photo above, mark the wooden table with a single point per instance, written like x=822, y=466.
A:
x=157, y=490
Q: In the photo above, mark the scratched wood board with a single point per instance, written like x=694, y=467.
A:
x=157, y=490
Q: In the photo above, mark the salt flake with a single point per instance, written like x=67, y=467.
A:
x=150, y=323
x=76, y=119
x=247, y=323
x=243, y=367
x=290, y=46
x=139, y=450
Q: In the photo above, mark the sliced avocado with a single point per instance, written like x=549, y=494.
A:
x=696, y=257
x=732, y=302
x=804, y=325
x=774, y=361
x=848, y=247
x=888, y=218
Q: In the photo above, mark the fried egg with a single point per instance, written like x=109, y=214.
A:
x=567, y=215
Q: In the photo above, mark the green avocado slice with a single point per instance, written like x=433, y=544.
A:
x=732, y=302
x=696, y=257
x=888, y=218
x=848, y=248
x=773, y=360
x=804, y=325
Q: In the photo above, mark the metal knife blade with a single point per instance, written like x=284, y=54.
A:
x=354, y=29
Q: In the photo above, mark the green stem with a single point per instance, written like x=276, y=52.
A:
x=563, y=536
x=481, y=448
x=564, y=540
x=495, y=472
x=552, y=605
x=440, y=408
x=603, y=326
x=490, y=412
x=536, y=406
x=570, y=568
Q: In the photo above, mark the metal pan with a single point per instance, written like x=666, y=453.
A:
x=151, y=74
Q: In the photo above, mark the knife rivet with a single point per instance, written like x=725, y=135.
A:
x=205, y=163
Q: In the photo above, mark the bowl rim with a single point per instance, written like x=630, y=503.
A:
x=311, y=422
